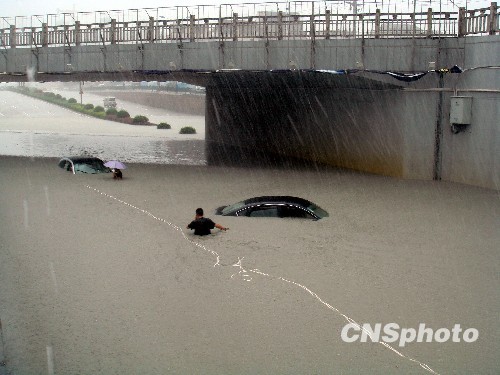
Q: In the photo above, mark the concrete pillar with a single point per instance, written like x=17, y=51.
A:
x=113, y=31
x=235, y=27
x=361, y=20
x=45, y=35
x=280, y=25
x=377, y=24
x=78, y=35
x=67, y=40
x=429, y=22
x=312, y=27
x=328, y=14
x=12, y=36
x=493, y=19
x=151, y=30
x=462, y=22
x=192, y=28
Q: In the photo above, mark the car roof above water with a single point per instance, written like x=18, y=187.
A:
x=81, y=159
x=279, y=198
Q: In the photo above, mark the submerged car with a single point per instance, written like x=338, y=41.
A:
x=274, y=206
x=83, y=164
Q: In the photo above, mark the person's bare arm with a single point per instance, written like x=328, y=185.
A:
x=218, y=226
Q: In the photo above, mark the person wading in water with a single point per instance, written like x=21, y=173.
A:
x=203, y=225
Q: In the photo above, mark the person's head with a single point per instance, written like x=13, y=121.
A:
x=199, y=212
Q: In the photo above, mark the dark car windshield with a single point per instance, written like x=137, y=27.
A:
x=84, y=165
x=318, y=211
x=233, y=207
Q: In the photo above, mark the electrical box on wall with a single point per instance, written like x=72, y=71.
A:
x=461, y=110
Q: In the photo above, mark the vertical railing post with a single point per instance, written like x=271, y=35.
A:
x=235, y=27
x=66, y=35
x=113, y=31
x=429, y=22
x=151, y=30
x=470, y=22
x=78, y=35
x=414, y=24
x=361, y=19
x=33, y=37
x=221, y=31
x=266, y=29
x=482, y=25
x=462, y=22
x=328, y=15
x=493, y=19
x=312, y=28
x=45, y=35
x=280, y=25
x=354, y=26
x=377, y=24
x=192, y=26
x=12, y=36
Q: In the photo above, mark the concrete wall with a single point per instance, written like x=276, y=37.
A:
x=473, y=156
x=392, y=132
x=381, y=54
x=322, y=118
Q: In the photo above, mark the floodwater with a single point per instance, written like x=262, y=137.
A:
x=29, y=127
x=134, y=149
x=99, y=276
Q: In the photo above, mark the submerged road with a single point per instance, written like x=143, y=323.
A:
x=99, y=276
x=30, y=127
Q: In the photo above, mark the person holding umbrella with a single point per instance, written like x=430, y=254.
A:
x=117, y=174
x=116, y=167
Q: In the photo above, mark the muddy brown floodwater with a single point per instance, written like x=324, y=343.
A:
x=99, y=276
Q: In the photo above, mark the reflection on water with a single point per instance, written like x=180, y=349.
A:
x=126, y=148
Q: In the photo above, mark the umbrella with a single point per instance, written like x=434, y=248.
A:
x=115, y=164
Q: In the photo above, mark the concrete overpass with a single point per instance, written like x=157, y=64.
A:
x=316, y=96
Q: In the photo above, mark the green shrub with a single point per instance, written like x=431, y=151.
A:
x=188, y=130
x=76, y=107
x=122, y=114
x=88, y=106
x=101, y=115
x=58, y=96
x=99, y=109
x=139, y=119
x=111, y=111
x=163, y=125
x=71, y=100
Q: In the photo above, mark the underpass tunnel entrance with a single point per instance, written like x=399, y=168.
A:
x=313, y=117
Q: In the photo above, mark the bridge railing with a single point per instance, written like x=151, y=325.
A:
x=263, y=25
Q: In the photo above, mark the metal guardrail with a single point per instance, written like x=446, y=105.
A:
x=268, y=23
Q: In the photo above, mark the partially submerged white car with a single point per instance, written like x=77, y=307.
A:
x=83, y=164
